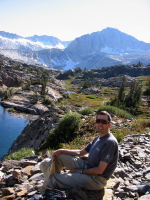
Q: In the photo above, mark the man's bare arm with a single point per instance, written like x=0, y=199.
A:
x=69, y=152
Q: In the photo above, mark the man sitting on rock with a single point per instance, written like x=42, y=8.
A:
x=91, y=174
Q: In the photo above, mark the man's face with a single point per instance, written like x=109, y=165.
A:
x=102, y=125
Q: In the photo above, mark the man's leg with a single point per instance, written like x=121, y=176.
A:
x=57, y=180
x=69, y=162
x=89, y=182
x=45, y=166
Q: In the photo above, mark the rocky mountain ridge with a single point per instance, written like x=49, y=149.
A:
x=108, y=40
x=107, y=72
x=13, y=41
x=105, y=48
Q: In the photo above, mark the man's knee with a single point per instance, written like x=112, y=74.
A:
x=64, y=157
x=64, y=160
x=45, y=164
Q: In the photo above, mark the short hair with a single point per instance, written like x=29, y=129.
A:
x=104, y=113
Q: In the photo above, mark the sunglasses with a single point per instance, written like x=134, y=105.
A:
x=102, y=121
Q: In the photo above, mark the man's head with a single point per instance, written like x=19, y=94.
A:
x=103, y=122
x=105, y=113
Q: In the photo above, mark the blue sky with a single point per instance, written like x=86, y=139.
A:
x=68, y=19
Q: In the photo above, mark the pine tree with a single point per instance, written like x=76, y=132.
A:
x=118, y=101
x=133, y=97
x=128, y=101
x=121, y=94
x=147, y=91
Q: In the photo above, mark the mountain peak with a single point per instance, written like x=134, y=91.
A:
x=9, y=35
x=108, y=40
x=104, y=48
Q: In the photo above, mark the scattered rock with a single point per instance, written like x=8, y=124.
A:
x=21, y=179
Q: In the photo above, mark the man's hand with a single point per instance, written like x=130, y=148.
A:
x=56, y=153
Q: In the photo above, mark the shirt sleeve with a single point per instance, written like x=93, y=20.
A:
x=109, y=150
x=88, y=147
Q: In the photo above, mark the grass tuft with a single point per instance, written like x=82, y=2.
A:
x=22, y=153
x=87, y=111
x=141, y=126
x=116, y=111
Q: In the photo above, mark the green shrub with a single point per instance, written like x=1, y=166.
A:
x=6, y=94
x=116, y=111
x=65, y=131
x=119, y=136
x=85, y=92
x=22, y=153
x=87, y=84
x=78, y=105
x=26, y=88
x=87, y=111
x=91, y=96
x=11, y=110
x=34, y=99
x=52, y=141
x=47, y=101
x=120, y=133
x=35, y=82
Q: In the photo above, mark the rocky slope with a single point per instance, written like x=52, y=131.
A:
x=107, y=76
x=35, y=133
x=25, y=88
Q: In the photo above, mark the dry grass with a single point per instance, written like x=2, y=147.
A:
x=141, y=126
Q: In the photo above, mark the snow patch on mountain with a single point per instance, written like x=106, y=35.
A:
x=59, y=46
x=15, y=55
x=115, y=57
x=33, y=45
x=21, y=43
x=109, y=50
x=70, y=64
x=43, y=62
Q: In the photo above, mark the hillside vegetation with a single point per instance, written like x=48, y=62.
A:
x=66, y=119
x=116, y=89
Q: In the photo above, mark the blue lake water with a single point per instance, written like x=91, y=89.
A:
x=10, y=128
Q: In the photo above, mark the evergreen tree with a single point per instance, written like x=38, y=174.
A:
x=121, y=94
x=1, y=65
x=87, y=84
x=139, y=64
x=43, y=89
x=128, y=101
x=118, y=101
x=78, y=70
x=44, y=80
x=133, y=97
x=147, y=91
